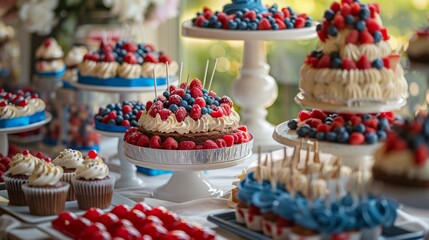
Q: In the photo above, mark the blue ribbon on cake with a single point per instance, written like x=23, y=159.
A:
x=121, y=82
x=51, y=74
x=22, y=121
x=68, y=85
x=240, y=5
x=110, y=128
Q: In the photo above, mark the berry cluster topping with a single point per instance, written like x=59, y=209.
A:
x=124, y=114
x=19, y=98
x=6, y=160
x=189, y=100
x=129, y=52
x=346, y=128
x=122, y=222
x=135, y=137
x=412, y=134
x=273, y=19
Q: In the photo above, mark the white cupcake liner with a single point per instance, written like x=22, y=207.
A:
x=268, y=227
x=240, y=214
x=281, y=232
x=68, y=177
x=294, y=236
x=253, y=222
x=44, y=201
x=14, y=190
x=94, y=193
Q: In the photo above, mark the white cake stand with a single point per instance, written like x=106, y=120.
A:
x=4, y=143
x=352, y=155
x=128, y=171
x=255, y=89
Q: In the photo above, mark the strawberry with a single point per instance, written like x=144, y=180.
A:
x=316, y=113
x=132, y=138
x=346, y=2
x=220, y=143
x=356, y=138
x=208, y=14
x=280, y=16
x=164, y=113
x=335, y=6
x=323, y=128
x=196, y=83
x=281, y=23
x=108, y=57
x=376, y=6
x=181, y=114
x=250, y=14
x=153, y=112
x=313, y=62
x=363, y=62
x=366, y=38
x=339, y=22
x=148, y=105
x=421, y=154
x=355, y=120
x=264, y=24
x=384, y=34
x=143, y=141
x=299, y=22
x=186, y=145
x=227, y=100
x=346, y=10
x=198, y=147
x=314, y=122
x=324, y=62
x=195, y=112
x=286, y=13
x=372, y=11
x=150, y=58
x=322, y=35
x=126, y=123
x=303, y=115
x=222, y=17
x=200, y=20
x=372, y=25
x=386, y=62
x=355, y=7
x=348, y=64
x=229, y=140
x=170, y=144
x=394, y=60
x=353, y=37
x=155, y=142
x=242, y=128
x=336, y=125
x=371, y=123
x=129, y=46
x=164, y=58
x=196, y=92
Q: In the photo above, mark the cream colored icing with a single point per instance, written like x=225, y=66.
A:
x=9, y=112
x=70, y=75
x=69, y=158
x=75, y=56
x=106, y=69
x=50, y=66
x=205, y=124
x=52, y=51
x=129, y=71
x=23, y=164
x=87, y=68
x=92, y=169
x=26, y=110
x=45, y=174
x=37, y=103
x=147, y=69
x=6, y=32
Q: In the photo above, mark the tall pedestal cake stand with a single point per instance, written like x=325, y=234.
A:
x=4, y=142
x=255, y=89
x=352, y=155
x=188, y=182
x=127, y=170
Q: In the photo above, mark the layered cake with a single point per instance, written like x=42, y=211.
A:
x=251, y=15
x=20, y=109
x=188, y=117
x=403, y=158
x=126, y=64
x=345, y=128
x=49, y=58
x=72, y=60
x=354, y=62
x=418, y=47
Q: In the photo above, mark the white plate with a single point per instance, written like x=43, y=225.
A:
x=52, y=232
x=22, y=212
x=2, y=186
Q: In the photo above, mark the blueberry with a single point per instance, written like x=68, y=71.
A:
x=123, y=52
x=173, y=108
x=332, y=31
x=205, y=92
x=210, y=100
x=360, y=25
x=213, y=18
x=243, y=26
x=349, y=128
x=191, y=101
x=165, y=104
x=119, y=119
x=383, y=124
x=318, y=27
x=366, y=117
x=218, y=25
x=334, y=55
x=186, y=97
x=381, y=135
x=259, y=16
x=317, y=53
x=329, y=15
x=118, y=106
x=111, y=122
x=253, y=26
x=188, y=108
x=292, y=124
x=359, y=128
x=106, y=111
x=331, y=136
x=204, y=111
x=135, y=111
x=166, y=94
x=275, y=26
x=119, y=113
x=111, y=106
x=275, y=6
x=247, y=20
x=303, y=130
x=183, y=103
x=209, y=110
x=216, y=103
x=371, y=138
x=232, y=25
x=364, y=14
x=329, y=119
x=119, y=59
x=350, y=20
x=377, y=36
x=292, y=12
x=127, y=116
x=340, y=130
x=133, y=117
x=134, y=123
x=312, y=133
x=377, y=63
x=98, y=118
x=320, y=136
x=343, y=137
x=239, y=14
x=308, y=23
x=125, y=102
x=289, y=23
x=336, y=63
x=205, y=23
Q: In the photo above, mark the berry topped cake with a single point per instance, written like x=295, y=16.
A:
x=418, y=47
x=50, y=58
x=72, y=60
x=251, y=15
x=403, y=159
x=125, y=64
x=354, y=63
x=188, y=117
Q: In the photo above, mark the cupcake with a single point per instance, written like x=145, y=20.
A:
x=45, y=193
x=50, y=58
x=92, y=186
x=69, y=160
x=21, y=167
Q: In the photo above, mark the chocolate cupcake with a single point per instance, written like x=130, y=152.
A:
x=69, y=160
x=92, y=185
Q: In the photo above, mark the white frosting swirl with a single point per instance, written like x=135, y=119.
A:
x=70, y=75
x=92, y=169
x=106, y=69
x=88, y=68
x=75, y=56
x=26, y=110
x=69, y=159
x=37, y=103
x=49, y=52
x=23, y=164
x=147, y=69
x=9, y=112
x=129, y=71
x=45, y=174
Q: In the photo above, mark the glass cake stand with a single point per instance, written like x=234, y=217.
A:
x=254, y=74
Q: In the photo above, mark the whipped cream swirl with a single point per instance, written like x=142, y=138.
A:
x=45, y=174
x=9, y=112
x=69, y=159
x=92, y=169
x=23, y=164
x=75, y=56
x=129, y=71
x=51, y=51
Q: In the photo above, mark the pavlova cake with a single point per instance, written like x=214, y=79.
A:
x=354, y=61
x=49, y=58
x=188, y=117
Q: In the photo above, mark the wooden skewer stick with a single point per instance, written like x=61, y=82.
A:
x=154, y=82
x=211, y=79
x=180, y=74
x=316, y=157
x=205, y=73
x=167, y=70
x=187, y=81
x=273, y=176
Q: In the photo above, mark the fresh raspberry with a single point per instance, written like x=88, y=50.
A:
x=226, y=100
x=161, y=99
x=366, y=38
x=126, y=123
x=174, y=99
x=384, y=34
x=217, y=113
x=323, y=128
x=183, y=85
x=314, y=122
x=200, y=20
x=139, y=114
x=170, y=144
x=348, y=64
x=299, y=22
x=353, y=37
x=386, y=63
x=316, y=113
x=155, y=142
x=323, y=35
x=355, y=120
x=186, y=145
x=172, y=88
x=221, y=17
x=164, y=58
x=196, y=84
x=109, y=57
x=372, y=123
x=250, y=14
x=346, y=9
x=264, y=24
x=243, y=128
x=372, y=25
x=370, y=130
x=376, y=6
x=143, y=141
x=153, y=112
x=280, y=23
x=229, y=140
x=356, y=138
x=180, y=92
x=181, y=114
x=324, y=62
x=421, y=154
x=129, y=46
x=220, y=143
x=226, y=109
x=339, y=22
x=158, y=105
x=200, y=101
x=209, y=144
x=339, y=119
x=235, y=136
x=132, y=138
x=355, y=8
x=150, y=58
x=399, y=145
x=303, y=115
x=245, y=137
x=196, y=92
x=363, y=63
x=126, y=109
x=130, y=58
x=164, y=113
x=388, y=115
x=199, y=147
x=148, y=104
x=335, y=6
x=336, y=125
x=195, y=112
x=213, y=94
